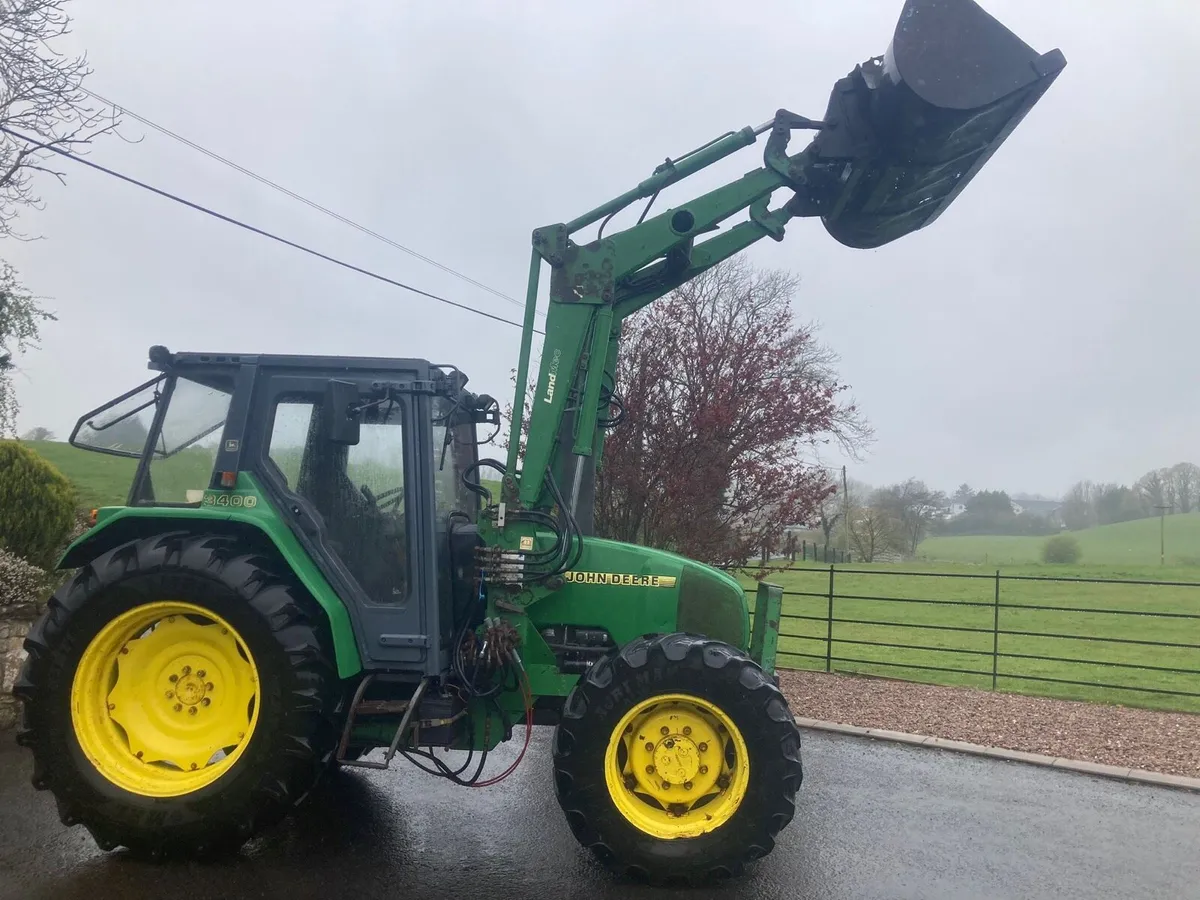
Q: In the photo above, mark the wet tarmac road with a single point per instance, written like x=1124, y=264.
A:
x=875, y=821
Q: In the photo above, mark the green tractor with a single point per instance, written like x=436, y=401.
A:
x=315, y=568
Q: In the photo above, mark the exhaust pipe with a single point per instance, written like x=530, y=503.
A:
x=904, y=133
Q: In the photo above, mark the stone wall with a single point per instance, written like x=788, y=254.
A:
x=22, y=587
x=14, y=625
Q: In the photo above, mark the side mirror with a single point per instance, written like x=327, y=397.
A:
x=341, y=417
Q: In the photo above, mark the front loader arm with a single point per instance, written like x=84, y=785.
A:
x=594, y=286
x=901, y=137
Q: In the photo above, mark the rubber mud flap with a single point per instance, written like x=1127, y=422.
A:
x=904, y=133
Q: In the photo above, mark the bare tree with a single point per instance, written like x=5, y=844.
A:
x=1151, y=489
x=790, y=545
x=829, y=513
x=1079, y=505
x=42, y=98
x=21, y=318
x=873, y=531
x=913, y=505
x=1185, y=477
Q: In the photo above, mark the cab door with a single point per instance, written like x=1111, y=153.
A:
x=357, y=508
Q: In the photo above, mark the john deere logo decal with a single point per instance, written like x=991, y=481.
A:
x=621, y=579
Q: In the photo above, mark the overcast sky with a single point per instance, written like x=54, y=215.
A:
x=1043, y=330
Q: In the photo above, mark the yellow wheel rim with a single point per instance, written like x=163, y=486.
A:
x=677, y=767
x=165, y=699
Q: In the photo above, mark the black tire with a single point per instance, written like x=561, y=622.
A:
x=718, y=673
x=296, y=731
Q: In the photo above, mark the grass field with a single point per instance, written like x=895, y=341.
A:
x=952, y=628
x=1124, y=544
x=101, y=480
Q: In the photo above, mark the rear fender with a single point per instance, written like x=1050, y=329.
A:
x=254, y=531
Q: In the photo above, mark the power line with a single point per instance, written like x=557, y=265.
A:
x=259, y=231
x=262, y=179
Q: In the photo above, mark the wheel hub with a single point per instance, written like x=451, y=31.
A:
x=677, y=759
x=190, y=690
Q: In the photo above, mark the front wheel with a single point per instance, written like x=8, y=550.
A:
x=677, y=759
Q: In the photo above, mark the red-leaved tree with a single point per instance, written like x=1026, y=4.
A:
x=725, y=394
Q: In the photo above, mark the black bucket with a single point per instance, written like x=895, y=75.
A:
x=905, y=132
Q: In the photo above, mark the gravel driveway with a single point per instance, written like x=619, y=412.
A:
x=1113, y=735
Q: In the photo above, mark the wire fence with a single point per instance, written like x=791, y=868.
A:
x=1125, y=641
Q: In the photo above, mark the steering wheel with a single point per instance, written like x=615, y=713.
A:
x=394, y=495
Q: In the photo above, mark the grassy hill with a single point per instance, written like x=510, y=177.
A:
x=1124, y=544
x=101, y=480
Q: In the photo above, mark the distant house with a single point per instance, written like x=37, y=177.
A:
x=1050, y=510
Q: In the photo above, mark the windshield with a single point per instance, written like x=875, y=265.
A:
x=121, y=426
x=183, y=447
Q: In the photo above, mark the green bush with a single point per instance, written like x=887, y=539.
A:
x=37, y=505
x=1062, y=549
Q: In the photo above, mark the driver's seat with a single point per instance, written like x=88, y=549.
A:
x=354, y=527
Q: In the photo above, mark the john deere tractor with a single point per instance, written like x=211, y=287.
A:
x=316, y=568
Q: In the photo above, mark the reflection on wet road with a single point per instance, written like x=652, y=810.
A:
x=874, y=821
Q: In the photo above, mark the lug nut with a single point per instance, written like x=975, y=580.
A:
x=186, y=670
x=178, y=707
x=687, y=785
x=194, y=767
x=665, y=730
x=687, y=729
x=703, y=747
x=649, y=747
x=170, y=695
x=191, y=710
x=666, y=785
x=112, y=706
x=722, y=781
x=206, y=702
x=649, y=770
x=208, y=686
x=668, y=744
x=630, y=782
x=139, y=754
x=173, y=679
x=200, y=673
x=704, y=770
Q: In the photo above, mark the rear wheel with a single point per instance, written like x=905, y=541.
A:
x=178, y=696
x=677, y=760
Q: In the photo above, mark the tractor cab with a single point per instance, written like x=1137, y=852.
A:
x=371, y=463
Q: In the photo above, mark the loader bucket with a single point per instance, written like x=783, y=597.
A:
x=905, y=133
